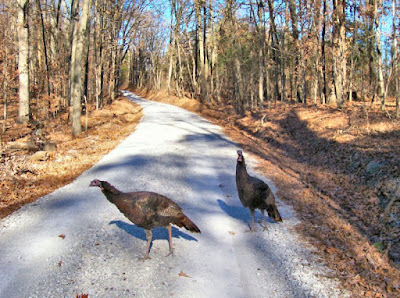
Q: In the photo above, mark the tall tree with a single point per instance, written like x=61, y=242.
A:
x=277, y=55
x=324, y=91
x=76, y=68
x=46, y=56
x=23, y=61
x=296, y=45
x=381, y=83
x=259, y=22
x=339, y=55
x=395, y=62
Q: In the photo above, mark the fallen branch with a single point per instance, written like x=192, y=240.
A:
x=22, y=146
x=262, y=119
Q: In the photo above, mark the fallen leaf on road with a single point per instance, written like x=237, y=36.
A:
x=183, y=274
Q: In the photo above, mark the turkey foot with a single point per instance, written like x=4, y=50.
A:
x=250, y=231
x=171, y=253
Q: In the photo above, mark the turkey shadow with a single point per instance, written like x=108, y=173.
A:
x=242, y=213
x=159, y=233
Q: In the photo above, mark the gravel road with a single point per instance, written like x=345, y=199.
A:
x=74, y=241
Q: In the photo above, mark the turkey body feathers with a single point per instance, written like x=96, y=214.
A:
x=147, y=209
x=254, y=193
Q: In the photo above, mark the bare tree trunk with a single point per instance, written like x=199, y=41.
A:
x=46, y=56
x=295, y=35
x=171, y=62
x=324, y=89
x=395, y=62
x=201, y=33
x=72, y=34
x=239, y=85
x=303, y=95
x=339, y=39
x=179, y=75
x=171, y=51
x=54, y=48
x=99, y=53
x=277, y=57
x=23, y=61
x=261, y=45
x=214, y=54
x=76, y=68
x=86, y=66
x=111, y=78
x=316, y=27
x=5, y=86
x=381, y=84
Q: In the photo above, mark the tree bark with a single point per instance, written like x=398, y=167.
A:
x=76, y=68
x=201, y=38
x=5, y=86
x=261, y=45
x=276, y=57
x=324, y=91
x=295, y=35
x=395, y=62
x=339, y=60
x=46, y=56
x=381, y=84
x=214, y=81
x=23, y=61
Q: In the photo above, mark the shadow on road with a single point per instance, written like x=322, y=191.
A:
x=241, y=213
x=158, y=233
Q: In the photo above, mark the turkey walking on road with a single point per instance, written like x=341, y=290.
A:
x=147, y=210
x=254, y=193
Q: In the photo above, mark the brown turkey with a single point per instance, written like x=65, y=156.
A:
x=147, y=210
x=254, y=193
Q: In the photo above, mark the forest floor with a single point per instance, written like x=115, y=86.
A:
x=26, y=177
x=339, y=169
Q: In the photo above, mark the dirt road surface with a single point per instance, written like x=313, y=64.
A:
x=74, y=241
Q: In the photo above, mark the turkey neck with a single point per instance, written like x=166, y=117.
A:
x=241, y=171
x=112, y=194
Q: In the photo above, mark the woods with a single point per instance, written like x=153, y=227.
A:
x=316, y=82
x=61, y=54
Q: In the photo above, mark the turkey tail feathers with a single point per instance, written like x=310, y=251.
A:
x=189, y=225
x=277, y=216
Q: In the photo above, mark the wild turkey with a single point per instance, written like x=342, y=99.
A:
x=147, y=210
x=254, y=193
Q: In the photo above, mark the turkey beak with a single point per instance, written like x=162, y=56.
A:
x=240, y=156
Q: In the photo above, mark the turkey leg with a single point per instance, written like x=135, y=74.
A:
x=171, y=249
x=265, y=221
x=149, y=236
x=252, y=221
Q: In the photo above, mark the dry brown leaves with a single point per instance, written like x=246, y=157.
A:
x=23, y=181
